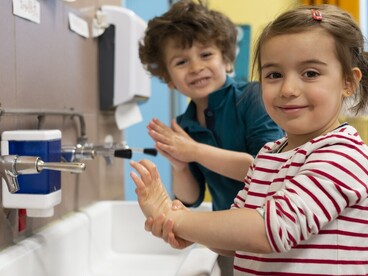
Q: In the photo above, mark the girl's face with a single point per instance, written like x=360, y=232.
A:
x=197, y=71
x=302, y=84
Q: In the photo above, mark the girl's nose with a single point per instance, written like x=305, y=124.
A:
x=289, y=88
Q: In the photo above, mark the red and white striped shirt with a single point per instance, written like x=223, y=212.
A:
x=315, y=204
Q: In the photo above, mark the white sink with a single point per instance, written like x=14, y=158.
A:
x=104, y=239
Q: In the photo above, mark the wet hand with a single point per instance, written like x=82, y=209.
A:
x=152, y=195
x=164, y=228
x=174, y=141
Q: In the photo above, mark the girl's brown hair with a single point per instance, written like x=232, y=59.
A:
x=349, y=41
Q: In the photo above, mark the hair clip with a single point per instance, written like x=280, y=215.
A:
x=316, y=15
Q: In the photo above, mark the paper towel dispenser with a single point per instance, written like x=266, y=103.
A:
x=122, y=77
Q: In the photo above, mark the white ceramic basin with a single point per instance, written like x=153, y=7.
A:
x=104, y=239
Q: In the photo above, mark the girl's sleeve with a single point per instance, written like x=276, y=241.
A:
x=327, y=183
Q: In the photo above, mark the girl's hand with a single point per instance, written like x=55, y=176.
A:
x=162, y=228
x=152, y=196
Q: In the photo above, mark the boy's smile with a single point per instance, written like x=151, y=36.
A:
x=200, y=82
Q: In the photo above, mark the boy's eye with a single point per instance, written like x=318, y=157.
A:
x=180, y=62
x=206, y=54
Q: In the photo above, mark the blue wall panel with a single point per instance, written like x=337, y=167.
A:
x=157, y=106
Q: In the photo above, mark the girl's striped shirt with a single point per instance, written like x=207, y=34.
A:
x=315, y=206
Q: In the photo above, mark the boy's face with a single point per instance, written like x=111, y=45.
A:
x=197, y=71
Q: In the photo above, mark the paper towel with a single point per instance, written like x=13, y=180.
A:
x=127, y=114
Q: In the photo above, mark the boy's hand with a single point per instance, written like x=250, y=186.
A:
x=177, y=164
x=152, y=196
x=174, y=141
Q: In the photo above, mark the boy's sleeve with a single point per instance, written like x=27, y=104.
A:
x=259, y=127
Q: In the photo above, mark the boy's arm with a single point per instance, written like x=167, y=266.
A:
x=230, y=230
x=176, y=143
x=185, y=186
x=232, y=164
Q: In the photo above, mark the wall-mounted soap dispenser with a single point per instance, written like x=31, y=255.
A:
x=122, y=77
x=31, y=166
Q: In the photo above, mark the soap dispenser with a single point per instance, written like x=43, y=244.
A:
x=38, y=190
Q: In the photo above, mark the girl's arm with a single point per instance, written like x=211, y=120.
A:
x=231, y=230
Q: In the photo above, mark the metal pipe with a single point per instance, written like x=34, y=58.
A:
x=41, y=113
x=61, y=166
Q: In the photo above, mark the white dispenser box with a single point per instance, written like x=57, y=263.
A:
x=38, y=193
x=122, y=77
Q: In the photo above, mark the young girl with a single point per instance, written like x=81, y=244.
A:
x=304, y=207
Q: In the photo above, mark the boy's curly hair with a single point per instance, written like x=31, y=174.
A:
x=186, y=22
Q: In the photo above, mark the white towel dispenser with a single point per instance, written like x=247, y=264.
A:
x=122, y=78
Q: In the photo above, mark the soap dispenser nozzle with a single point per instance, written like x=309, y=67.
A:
x=13, y=165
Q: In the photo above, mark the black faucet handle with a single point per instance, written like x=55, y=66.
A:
x=123, y=153
x=150, y=151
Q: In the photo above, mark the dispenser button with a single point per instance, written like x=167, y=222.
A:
x=22, y=220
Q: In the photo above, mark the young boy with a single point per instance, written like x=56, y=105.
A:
x=192, y=49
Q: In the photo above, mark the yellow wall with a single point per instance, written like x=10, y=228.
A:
x=352, y=6
x=258, y=13
x=254, y=13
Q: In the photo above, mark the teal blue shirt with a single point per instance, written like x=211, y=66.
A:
x=236, y=120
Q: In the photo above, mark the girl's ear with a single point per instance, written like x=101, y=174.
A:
x=357, y=74
x=349, y=88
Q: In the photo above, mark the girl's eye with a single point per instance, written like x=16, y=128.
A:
x=311, y=74
x=273, y=76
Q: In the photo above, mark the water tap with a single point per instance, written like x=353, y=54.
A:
x=107, y=151
x=13, y=165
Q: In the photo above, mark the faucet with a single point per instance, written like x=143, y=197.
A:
x=108, y=151
x=13, y=165
x=78, y=152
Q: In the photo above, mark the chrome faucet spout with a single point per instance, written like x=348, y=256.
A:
x=13, y=165
x=63, y=166
x=8, y=172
